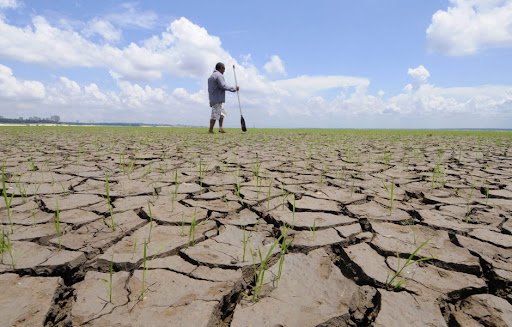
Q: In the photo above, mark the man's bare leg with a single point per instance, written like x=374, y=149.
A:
x=221, y=119
x=212, y=123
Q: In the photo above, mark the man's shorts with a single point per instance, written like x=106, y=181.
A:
x=218, y=111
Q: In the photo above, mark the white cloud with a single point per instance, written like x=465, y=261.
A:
x=12, y=4
x=408, y=88
x=108, y=26
x=139, y=97
x=104, y=29
x=275, y=66
x=132, y=16
x=13, y=89
x=70, y=86
x=246, y=59
x=29, y=44
x=420, y=74
x=469, y=26
x=292, y=102
x=92, y=91
x=184, y=50
x=470, y=103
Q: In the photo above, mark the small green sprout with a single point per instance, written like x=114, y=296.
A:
x=391, y=192
x=56, y=222
x=108, y=283
x=245, y=239
x=284, y=249
x=144, y=272
x=313, y=228
x=390, y=279
x=192, y=230
x=7, y=199
x=150, y=221
x=260, y=275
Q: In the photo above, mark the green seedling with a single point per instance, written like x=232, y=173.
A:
x=156, y=191
x=256, y=168
x=6, y=246
x=284, y=195
x=33, y=166
x=144, y=272
x=109, y=204
x=202, y=171
x=122, y=163
x=22, y=189
x=3, y=244
x=390, y=279
x=260, y=275
x=313, y=228
x=284, y=249
x=258, y=186
x=192, y=230
x=108, y=283
x=245, y=239
x=391, y=192
x=438, y=175
x=387, y=157
x=131, y=167
x=127, y=167
x=438, y=179
x=134, y=250
x=11, y=252
x=7, y=199
x=150, y=221
x=56, y=222
x=176, y=186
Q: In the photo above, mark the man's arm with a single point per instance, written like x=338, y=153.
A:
x=222, y=84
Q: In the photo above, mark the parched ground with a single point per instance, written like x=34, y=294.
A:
x=176, y=227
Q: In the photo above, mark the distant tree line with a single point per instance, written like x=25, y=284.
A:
x=55, y=119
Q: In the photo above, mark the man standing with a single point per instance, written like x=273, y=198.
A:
x=217, y=93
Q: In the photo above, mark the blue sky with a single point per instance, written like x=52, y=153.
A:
x=332, y=64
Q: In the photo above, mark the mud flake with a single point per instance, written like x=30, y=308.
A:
x=26, y=301
x=308, y=294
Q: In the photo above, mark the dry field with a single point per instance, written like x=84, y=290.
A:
x=175, y=227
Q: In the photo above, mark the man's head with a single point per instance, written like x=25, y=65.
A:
x=220, y=67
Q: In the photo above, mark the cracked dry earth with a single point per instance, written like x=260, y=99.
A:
x=170, y=227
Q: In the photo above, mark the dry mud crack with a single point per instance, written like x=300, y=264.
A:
x=175, y=227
